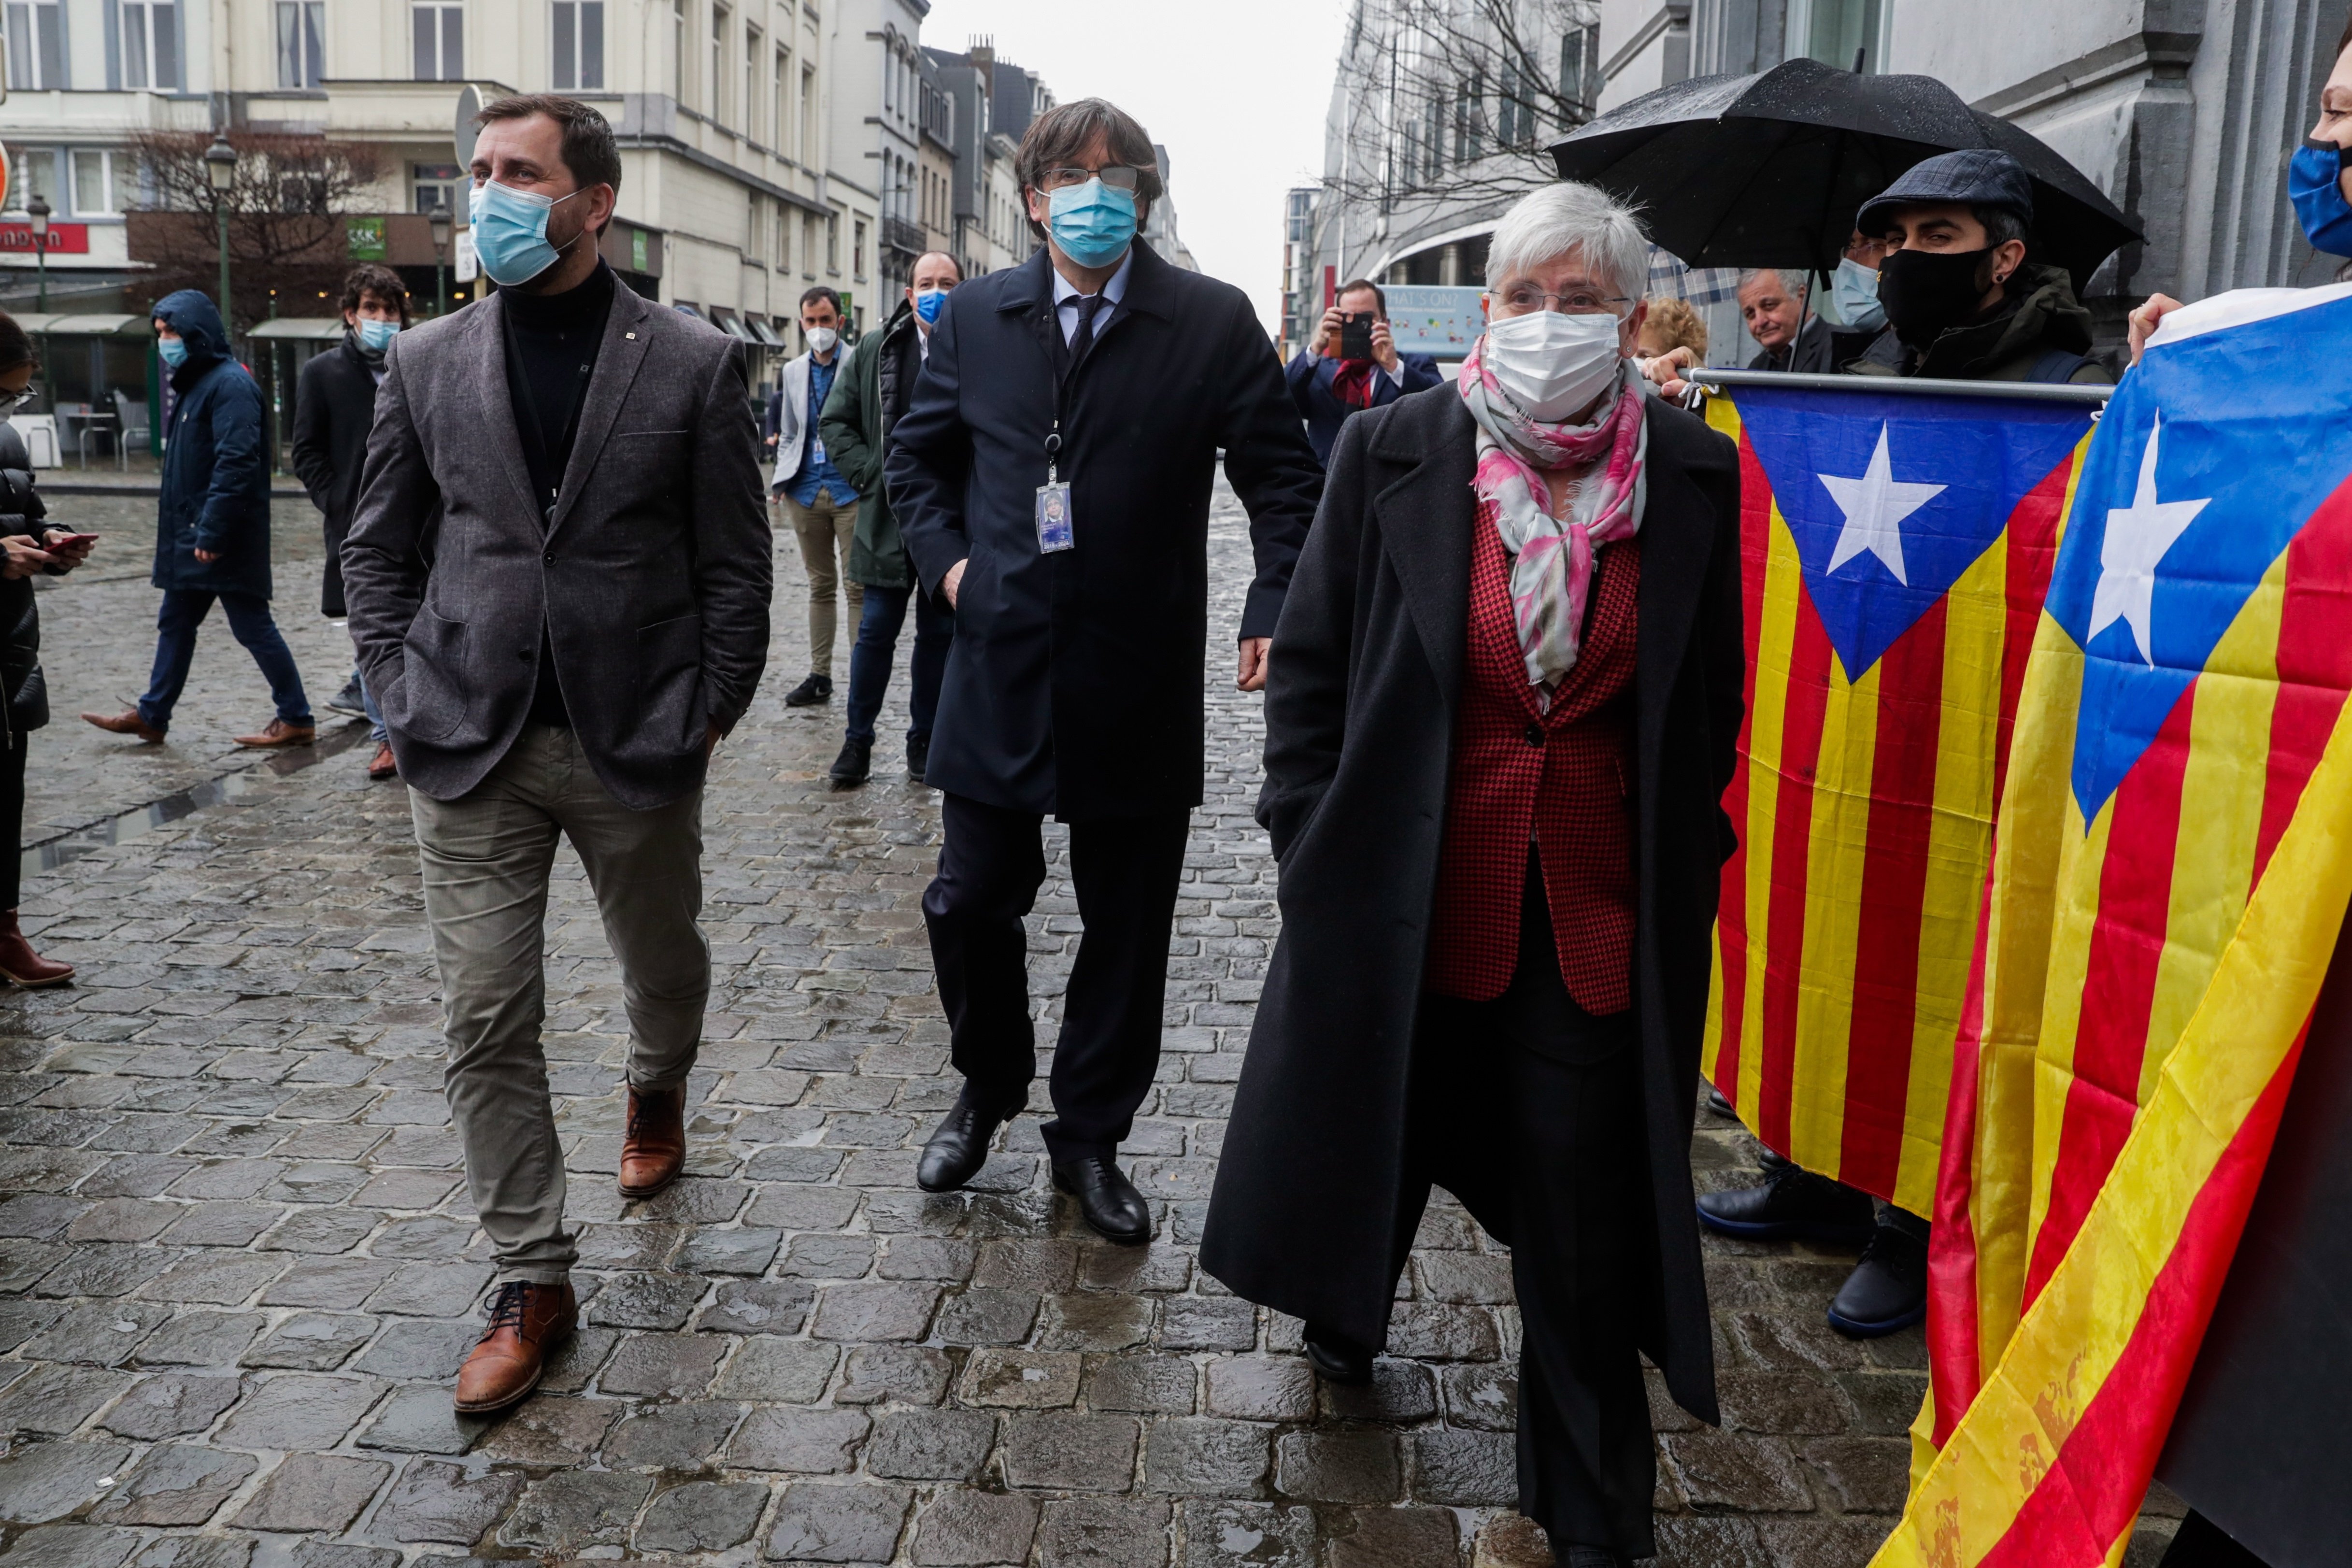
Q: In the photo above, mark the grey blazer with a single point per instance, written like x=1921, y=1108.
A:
x=652, y=575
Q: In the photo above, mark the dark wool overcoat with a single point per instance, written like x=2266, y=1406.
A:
x=1360, y=715
x=1074, y=686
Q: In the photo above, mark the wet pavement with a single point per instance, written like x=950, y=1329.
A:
x=237, y=1265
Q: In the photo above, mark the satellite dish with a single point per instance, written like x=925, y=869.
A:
x=471, y=100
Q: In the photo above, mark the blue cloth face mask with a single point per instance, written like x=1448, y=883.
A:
x=376, y=336
x=510, y=232
x=1092, y=223
x=1855, y=288
x=2314, y=185
x=174, y=350
x=927, y=302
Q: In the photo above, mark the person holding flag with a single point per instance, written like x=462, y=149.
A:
x=1963, y=303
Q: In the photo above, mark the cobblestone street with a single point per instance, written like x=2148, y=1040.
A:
x=238, y=1268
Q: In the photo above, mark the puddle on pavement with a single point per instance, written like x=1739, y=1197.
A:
x=140, y=821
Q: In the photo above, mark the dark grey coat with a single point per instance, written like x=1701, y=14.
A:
x=1361, y=703
x=651, y=573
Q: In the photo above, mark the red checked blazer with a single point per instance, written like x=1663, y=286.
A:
x=1558, y=778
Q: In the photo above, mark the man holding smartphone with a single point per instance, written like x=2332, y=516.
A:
x=1352, y=363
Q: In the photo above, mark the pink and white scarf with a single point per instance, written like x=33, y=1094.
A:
x=1551, y=558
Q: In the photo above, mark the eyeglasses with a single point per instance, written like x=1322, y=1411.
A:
x=1118, y=177
x=1526, y=297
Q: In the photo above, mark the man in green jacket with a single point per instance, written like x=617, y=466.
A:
x=858, y=415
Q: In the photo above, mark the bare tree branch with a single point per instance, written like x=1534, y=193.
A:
x=1460, y=98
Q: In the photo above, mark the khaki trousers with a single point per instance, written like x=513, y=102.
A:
x=487, y=856
x=825, y=531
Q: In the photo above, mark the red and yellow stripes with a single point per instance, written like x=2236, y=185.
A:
x=2143, y=983
x=1865, y=810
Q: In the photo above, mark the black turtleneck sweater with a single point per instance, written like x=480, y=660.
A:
x=551, y=351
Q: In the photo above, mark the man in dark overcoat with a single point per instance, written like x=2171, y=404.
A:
x=1074, y=688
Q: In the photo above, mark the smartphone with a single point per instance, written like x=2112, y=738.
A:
x=1355, y=334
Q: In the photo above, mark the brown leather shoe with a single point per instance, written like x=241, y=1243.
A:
x=281, y=733
x=527, y=1323
x=20, y=965
x=384, y=764
x=126, y=722
x=652, y=1152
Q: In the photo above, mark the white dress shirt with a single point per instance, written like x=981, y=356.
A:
x=1067, y=298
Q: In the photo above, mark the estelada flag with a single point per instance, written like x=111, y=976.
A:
x=2169, y=879
x=1895, y=549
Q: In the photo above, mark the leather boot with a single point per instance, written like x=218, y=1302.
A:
x=20, y=965
x=1337, y=1358
x=527, y=1323
x=652, y=1152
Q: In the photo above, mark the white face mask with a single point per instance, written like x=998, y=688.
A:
x=822, y=338
x=1551, y=363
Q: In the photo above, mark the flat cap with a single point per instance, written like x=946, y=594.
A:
x=1979, y=177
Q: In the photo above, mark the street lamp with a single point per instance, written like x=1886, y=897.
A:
x=220, y=170
x=38, y=207
x=440, y=221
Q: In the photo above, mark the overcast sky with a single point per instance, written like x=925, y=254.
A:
x=1234, y=89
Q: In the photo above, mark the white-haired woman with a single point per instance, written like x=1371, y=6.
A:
x=1503, y=699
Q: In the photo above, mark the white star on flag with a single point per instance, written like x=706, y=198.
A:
x=1874, y=506
x=2137, y=537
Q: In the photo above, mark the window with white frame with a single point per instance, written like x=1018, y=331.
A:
x=302, y=44
x=150, y=45
x=437, y=184
x=678, y=49
x=37, y=45
x=32, y=172
x=806, y=147
x=832, y=244
x=438, y=30
x=857, y=252
x=719, y=17
x=578, y=32
x=755, y=50
x=755, y=230
x=780, y=106
x=783, y=257
x=94, y=193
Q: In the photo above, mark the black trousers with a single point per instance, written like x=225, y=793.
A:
x=1529, y=1110
x=12, y=809
x=992, y=863
x=2201, y=1543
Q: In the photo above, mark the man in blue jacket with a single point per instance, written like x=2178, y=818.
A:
x=212, y=528
x=1328, y=388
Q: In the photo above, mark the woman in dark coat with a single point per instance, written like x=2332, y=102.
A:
x=1504, y=696
x=26, y=549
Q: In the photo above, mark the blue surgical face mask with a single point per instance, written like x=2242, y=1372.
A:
x=2314, y=185
x=510, y=232
x=174, y=350
x=1094, y=223
x=1855, y=288
x=376, y=336
x=927, y=302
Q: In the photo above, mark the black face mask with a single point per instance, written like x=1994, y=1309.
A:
x=1927, y=292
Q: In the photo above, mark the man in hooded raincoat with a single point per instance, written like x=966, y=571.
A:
x=212, y=528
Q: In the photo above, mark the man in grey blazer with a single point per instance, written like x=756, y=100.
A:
x=558, y=578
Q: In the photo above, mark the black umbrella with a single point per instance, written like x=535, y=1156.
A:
x=1768, y=168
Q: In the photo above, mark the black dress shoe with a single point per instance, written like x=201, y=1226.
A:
x=1720, y=1106
x=918, y=758
x=1793, y=1204
x=816, y=688
x=854, y=764
x=1337, y=1358
x=959, y=1145
x=1887, y=1290
x=1106, y=1198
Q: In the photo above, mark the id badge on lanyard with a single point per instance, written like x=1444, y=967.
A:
x=1054, y=521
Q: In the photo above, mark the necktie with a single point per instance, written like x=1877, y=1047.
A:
x=1085, y=336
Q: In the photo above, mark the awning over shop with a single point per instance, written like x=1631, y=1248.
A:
x=300, y=328
x=732, y=325
x=768, y=334
x=62, y=323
